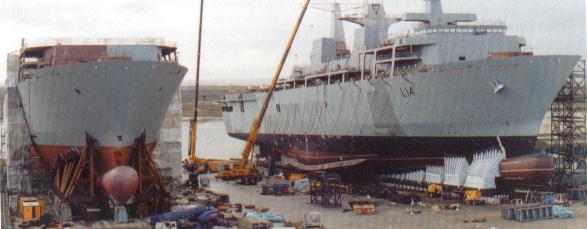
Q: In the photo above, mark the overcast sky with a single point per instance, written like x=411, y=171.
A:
x=243, y=39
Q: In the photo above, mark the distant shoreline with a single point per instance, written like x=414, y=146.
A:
x=202, y=119
x=208, y=98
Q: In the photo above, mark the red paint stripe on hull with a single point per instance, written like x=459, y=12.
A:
x=108, y=157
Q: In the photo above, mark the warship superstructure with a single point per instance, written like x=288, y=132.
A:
x=450, y=86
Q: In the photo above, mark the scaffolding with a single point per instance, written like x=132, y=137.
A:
x=568, y=132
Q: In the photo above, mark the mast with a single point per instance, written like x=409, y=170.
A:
x=337, y=31
x=433, y=7
x=193, y=123
x=434, y=15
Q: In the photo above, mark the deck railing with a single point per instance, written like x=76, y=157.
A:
x=97, y=41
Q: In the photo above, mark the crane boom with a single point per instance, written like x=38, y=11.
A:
x=193, y=123
x=254, y=131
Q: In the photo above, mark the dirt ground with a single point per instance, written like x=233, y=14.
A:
x=388, y=216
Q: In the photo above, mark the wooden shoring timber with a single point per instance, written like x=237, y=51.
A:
x=79, y=166
x=78, y=175
x=62, y=173
x=57, y=178
x=66, y=174
x=142, y=161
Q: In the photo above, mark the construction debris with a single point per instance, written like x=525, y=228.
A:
x=470, y=219
x=278, y=189
x=577, y=193
x=363, y=206
x=313, y=220
x=302, y=185
x=562, y=212
x=198, y=207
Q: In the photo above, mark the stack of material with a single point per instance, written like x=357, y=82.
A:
x=415, y=176
x=577, y=193
x=272, y=217
x=434, y=175
x=483, y=170
x=528, y=212
x=363, y=206
x=455, y=171
x=275, y=179
x=167, y=153
x=302, y=185
x=395, y=176
x=282, y=188
x=562, y=212
x=203, y=213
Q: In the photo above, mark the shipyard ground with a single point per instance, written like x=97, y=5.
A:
x=388, y=216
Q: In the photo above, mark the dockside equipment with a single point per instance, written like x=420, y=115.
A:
x=200, y=163
x=246, y=173
x=31, y=208
x=326, y=189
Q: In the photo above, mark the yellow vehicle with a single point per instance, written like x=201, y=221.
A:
x=473, y=197
x=31, y=208
x=296, y=176
x=248, y=176
x=434, y=190
x=363, y=207
x=214, y=165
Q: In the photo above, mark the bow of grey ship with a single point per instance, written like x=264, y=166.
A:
x=110, y=90
x=449, y=87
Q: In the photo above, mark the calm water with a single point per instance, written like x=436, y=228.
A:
x=213, y=142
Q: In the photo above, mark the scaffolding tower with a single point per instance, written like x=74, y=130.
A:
x=568, y=131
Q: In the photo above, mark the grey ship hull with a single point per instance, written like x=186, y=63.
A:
x=451, y=110
x=114, y=102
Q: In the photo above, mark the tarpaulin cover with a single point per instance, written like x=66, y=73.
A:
x=302, y=185
x=281, y=187
x=562, y=212
x=265, y=215
x=184, y=214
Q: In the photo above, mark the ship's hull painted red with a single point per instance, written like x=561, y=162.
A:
x=528, y=170
x=109, y=157
x=403, y=152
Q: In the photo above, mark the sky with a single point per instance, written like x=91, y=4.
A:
x=244, y=39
